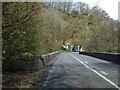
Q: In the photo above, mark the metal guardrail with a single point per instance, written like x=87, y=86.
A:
x=106, y=53
x=112, y=57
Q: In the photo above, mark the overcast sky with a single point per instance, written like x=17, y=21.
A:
x=110, y=6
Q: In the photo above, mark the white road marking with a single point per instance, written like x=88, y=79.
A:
x=104, y=73
x=106, y=79
x=112, y=83
x=80, y=61
x=86, y=62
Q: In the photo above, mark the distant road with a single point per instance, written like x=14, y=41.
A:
x=73, y=70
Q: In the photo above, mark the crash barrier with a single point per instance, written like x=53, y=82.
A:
x=112, y=57
x=47, y=58
x=28, y=63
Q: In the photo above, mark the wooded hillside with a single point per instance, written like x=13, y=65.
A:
x=39, y=28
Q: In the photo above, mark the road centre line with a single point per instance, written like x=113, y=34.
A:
x=105, y=79
x=112, y=83
x=104, y=73
x=80, y=61
x=86, y=62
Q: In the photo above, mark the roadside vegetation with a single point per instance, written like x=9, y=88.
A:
x=33, y=29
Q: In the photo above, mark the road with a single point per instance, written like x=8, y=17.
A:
x=73, y=70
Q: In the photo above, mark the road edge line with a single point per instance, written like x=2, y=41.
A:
x=112, y=83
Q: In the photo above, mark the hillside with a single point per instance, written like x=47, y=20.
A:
x=33, y=29
x=54, y=21
x=37, y=28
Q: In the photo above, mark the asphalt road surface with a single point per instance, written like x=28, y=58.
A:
x=73, y=70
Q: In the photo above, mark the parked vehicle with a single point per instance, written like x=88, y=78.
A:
x=76, y=48
x=70, y=47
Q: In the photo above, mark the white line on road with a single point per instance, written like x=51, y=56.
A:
x=104, y=73
x=105, y=79
x=112, y=83
x=86, y=62
x=80, y=61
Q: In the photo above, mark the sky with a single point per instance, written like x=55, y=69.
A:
x=110, y=6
